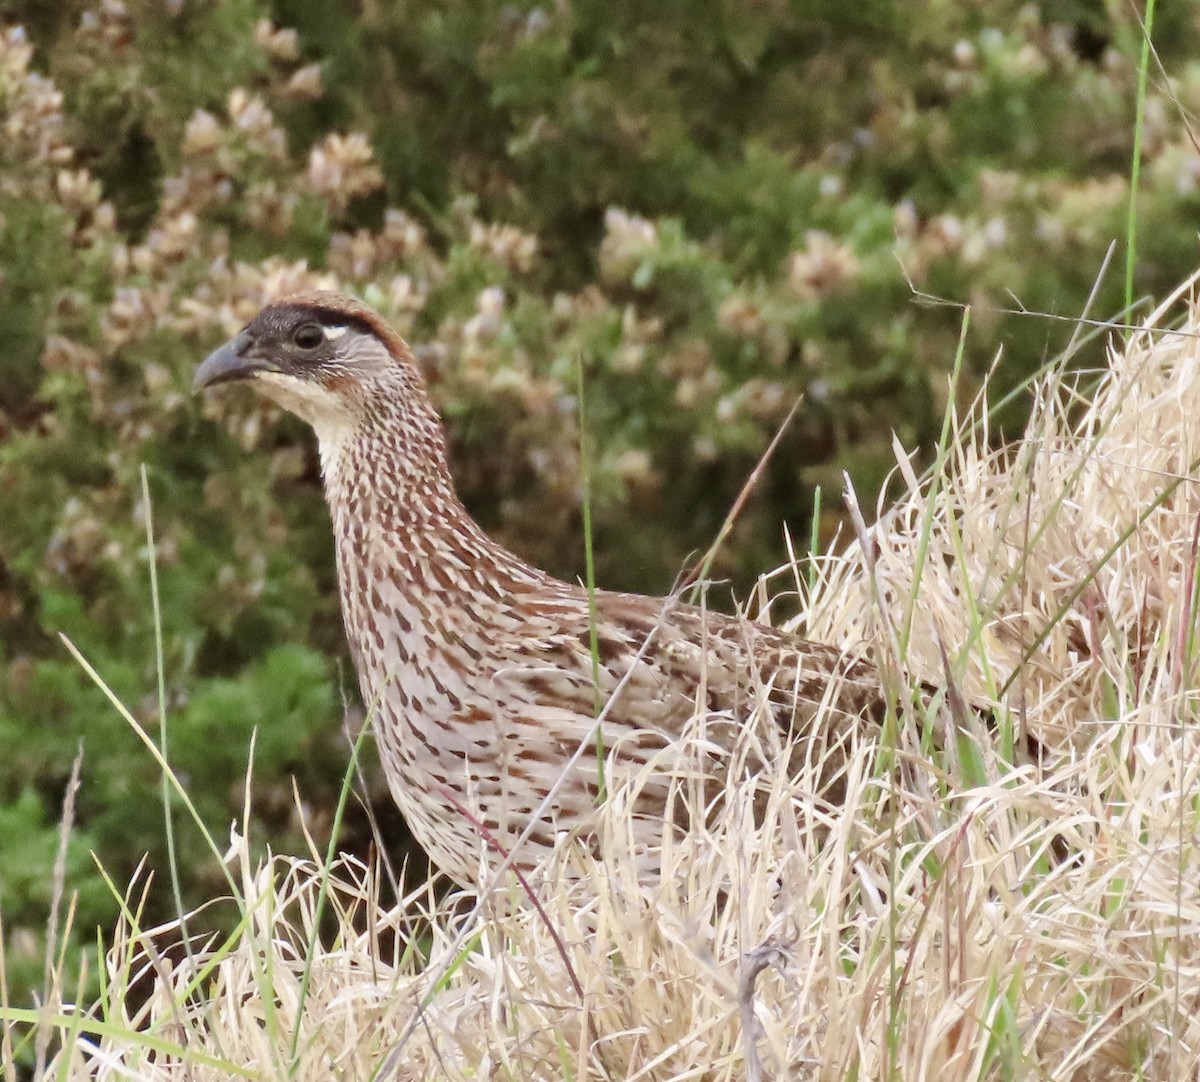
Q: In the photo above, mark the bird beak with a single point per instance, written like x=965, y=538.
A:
x=233, y=360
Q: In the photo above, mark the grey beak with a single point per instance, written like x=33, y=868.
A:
x=233, y=360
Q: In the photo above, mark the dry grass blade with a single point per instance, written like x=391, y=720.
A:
x=58, y=885
x=699, y=571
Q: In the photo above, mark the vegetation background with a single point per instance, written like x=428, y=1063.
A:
x=714, y=206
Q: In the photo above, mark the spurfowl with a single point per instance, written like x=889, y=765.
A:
x=476, y=667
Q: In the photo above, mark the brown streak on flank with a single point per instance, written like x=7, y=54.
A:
x=609, y=648
x=535, y=753
x=474, y=715
x=515, y=770
x=456, y=665
x=541, y=685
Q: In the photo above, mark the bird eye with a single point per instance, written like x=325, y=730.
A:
x=308, y=336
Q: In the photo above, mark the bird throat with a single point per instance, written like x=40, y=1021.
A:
x=405, y=541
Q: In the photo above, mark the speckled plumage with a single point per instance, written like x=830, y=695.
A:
x=475, y=666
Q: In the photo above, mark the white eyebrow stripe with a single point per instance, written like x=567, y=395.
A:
x=333, y=332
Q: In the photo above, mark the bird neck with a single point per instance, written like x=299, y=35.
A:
x=392, y=500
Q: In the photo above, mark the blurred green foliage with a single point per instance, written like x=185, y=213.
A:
x=715, y=206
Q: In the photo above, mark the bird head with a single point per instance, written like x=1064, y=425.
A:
x=326, y=357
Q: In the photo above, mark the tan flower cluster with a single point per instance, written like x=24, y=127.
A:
x=109, y=25
x=405, y=294
x=79, y=193
x=280, y=44
x=235, y=293
x=1000, y=187
x=62, y=354
x=690, y=365
x=401, y=297
x=485, y=324
x=740, y=315
x=370, y=260
x=304, y=84
x=988, y=237
x=133, y=314
x=751, y=317
x=362, y=255
x=472, y=341
x=824, y=265
x=571, y=308
x=270, y=207
x=635, y=468
x=638, y=335
x=215, y=153
x=355, y=256
x=403, y=237
x=1179, y=166
x=509, y=246
x=170, y=241
x=77, y=190
x=201, y=135
x=149, y=276
x=760, y=399
x=481, y=359
x=628, y=240
x=971, y=240
x=30, y=110
x=255, y=123
x=342, y=168
x=242, y=584
x=1082, y=211
x=78, y=541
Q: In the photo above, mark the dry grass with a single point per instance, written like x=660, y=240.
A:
x=921, y=934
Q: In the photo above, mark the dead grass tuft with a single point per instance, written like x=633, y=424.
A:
x=923, y=933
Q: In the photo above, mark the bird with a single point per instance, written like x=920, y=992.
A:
x=484, y=676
